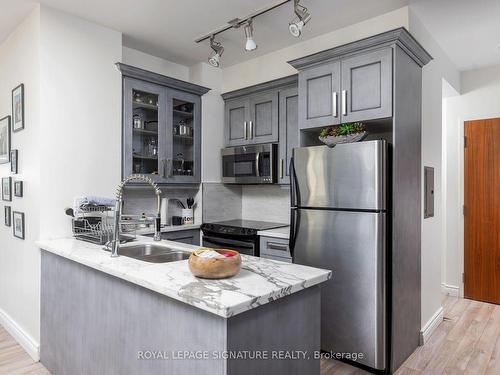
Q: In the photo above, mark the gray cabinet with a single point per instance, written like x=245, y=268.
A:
x=188, y=236
x=161, y=127
x=319, y=89
x=289, y=130
x=237, y=114
x=252, y=119
x=263, y=124
x=275, y=248
x=367, y=86
x=356, y=88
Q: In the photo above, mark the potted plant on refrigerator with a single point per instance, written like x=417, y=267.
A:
x=344, y=133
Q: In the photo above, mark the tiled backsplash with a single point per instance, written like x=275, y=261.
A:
x=138, y=201
x=266, y=203
x=251, y=202
x=221, y=202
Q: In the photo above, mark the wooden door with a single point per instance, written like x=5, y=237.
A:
x=367, y=86
x=263, y=125
x=236, y=121
x=482, y=210
x=319, y=96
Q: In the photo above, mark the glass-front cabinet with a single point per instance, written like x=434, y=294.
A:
x=161, y=128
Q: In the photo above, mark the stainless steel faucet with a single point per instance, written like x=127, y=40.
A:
x=115, y=243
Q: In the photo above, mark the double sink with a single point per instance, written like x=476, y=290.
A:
x=153, y=253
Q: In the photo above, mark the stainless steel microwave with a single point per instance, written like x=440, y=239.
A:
x=255, y=164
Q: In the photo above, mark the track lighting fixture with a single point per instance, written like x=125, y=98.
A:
x=217, y=51
x=302, y=18
x=250, y=44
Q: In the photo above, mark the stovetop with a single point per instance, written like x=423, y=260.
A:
x=239, y=227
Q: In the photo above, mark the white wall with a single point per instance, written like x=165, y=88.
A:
x=80, y=115
x=274, y=65
x=154, y=64
x=212, y=119
x=432, y=77
x=479, y=100
x=20, y=260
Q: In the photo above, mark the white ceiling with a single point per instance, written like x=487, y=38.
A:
x=12, y=12
x=467, y=30
x=168, y=28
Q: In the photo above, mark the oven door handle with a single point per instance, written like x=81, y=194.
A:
x=219, y=242
x=257, y=164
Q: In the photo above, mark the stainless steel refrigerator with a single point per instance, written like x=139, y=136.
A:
x=338, y=222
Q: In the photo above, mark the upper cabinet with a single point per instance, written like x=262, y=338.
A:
x=367, y=86
x=252, y=119
x=319, y=90
x=289, y=131
x=358, y=88
x=161, y=127
x=353, y=82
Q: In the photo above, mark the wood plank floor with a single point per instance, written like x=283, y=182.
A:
x=467, y=342
x=14, y=360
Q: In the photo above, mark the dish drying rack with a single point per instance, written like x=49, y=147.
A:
x=95, y=224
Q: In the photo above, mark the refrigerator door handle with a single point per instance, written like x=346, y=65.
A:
x=294, y=191
x=294, y=226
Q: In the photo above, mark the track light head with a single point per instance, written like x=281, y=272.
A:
x=302, y=18
x=216, y=54
x=250, y=44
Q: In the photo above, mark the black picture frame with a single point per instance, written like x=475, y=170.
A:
x=14, y=154
x=18, y=108
x=18, y=189
x=8, y=216
x=18, y=224
x=7, y=189
x=5, y=139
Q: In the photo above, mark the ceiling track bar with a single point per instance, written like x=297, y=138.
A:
x=242, y=21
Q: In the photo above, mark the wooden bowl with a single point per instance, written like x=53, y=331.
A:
x=215, y=268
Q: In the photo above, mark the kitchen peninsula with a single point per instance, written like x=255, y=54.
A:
x=125, y=316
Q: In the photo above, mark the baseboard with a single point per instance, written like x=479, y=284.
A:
x=431, y=326
x=450, y=290
x=30, y=345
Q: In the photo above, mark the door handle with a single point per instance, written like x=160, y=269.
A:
x=274, y=246
x=245, y=130
x=344, y=102
x=282, y=167
x=163, y=166
x=334, y=103
x=169, y=167
x=257, y=162
x=251, y=130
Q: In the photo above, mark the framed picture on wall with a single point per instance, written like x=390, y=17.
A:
x=18, y=108
x=8, y=217
x=18, y=219
x=13, y=161
x=5, y=140
x=7, y=189
x=18, y=188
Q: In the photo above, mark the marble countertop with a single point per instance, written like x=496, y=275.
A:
x=283, y=232
x=260, y=281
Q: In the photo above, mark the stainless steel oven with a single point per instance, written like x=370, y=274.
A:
x=255, y=164
x=248, y=246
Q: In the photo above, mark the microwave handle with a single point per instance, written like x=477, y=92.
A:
x=257, y=164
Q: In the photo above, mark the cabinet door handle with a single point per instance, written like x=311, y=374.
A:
x=282, y=167
x=163, y=166
x=251, y=130
x=257, y=164
x=246, y=130
x=274, y=246
x=344, y=102
x=334, y=104
x=169, y=167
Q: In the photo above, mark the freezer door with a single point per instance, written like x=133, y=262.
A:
x=350, y=176
x=353, y=302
